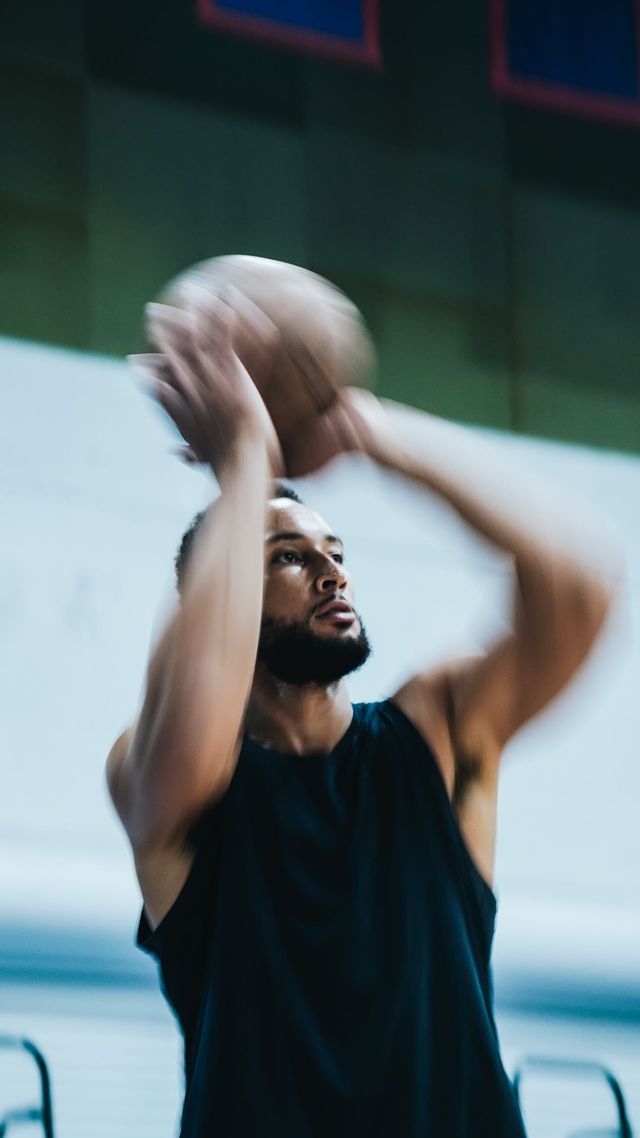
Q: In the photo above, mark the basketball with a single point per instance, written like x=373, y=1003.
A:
x=323, y=345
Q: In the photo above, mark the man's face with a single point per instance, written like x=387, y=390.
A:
x=310, y=632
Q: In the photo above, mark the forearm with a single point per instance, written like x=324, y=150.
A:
x=201, y=672
x=513, y=509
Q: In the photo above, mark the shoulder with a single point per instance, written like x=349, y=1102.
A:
x=161, y=872
x=433, y=700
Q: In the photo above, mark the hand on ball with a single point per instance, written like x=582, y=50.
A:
x=201, y=383
x=353, y=423
x=322, y=346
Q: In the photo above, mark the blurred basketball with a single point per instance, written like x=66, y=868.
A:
x=324, y=343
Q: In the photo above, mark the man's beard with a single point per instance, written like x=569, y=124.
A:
x=296, y=655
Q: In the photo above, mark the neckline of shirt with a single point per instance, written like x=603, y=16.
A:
x=314, y=756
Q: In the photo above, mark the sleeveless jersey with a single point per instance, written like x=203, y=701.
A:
x=328, y=956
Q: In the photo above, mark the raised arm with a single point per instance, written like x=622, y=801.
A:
x=566, y=572
x=181, y=753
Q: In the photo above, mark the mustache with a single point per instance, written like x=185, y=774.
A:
x=333, y=599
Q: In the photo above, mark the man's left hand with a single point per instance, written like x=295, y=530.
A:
x=354, y=423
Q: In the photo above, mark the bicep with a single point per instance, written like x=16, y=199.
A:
x=163, y=772
x=494, y=695
x=161, y=870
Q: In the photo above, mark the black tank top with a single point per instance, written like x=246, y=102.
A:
x=328, y=956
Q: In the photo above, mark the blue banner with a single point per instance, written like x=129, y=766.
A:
x=580, y=55
x=343, y=18
x=342, y=29
x=589, y=45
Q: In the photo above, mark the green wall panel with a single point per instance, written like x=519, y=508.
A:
x=447, y=359
x=173, y=184
x=406, y=216
x=43, y=273
x=601, y=417
x=455, y=111
x=43, y=193
x=42, y=139
x=577, y=292
x=449, y=363
x=45, y=32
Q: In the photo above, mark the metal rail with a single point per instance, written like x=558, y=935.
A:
x=580, y=1069
x=42, y=1113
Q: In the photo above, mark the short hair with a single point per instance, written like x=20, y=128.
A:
x=279, y=490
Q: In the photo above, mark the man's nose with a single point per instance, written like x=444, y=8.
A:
x=331, y=577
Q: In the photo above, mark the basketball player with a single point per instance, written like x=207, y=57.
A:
x=316, y=875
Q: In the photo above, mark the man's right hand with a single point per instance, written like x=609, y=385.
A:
x=201, y=383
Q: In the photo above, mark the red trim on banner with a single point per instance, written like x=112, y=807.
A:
x=638, y=45
x=366, y=52
x=553, y=96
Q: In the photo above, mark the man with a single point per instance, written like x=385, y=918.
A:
x=316, y=876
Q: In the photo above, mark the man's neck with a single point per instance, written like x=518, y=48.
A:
x=297, y=720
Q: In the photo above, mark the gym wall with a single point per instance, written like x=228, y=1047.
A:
x=493, y=249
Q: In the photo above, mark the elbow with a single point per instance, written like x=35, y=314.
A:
x=606, y=589
x=604, y=585
x=591, y=601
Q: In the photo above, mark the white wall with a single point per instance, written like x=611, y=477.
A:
x=92, y=507
x=113, y=1056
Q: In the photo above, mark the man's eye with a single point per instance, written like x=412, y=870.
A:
x=339, y=557
x=288, y=556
